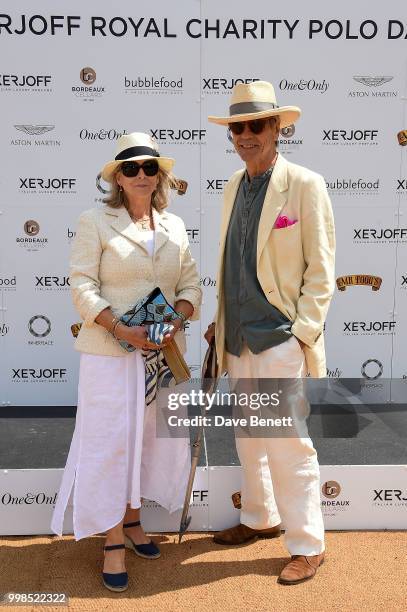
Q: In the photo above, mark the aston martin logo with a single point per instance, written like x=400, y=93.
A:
x=373, y=81
x=34, y=130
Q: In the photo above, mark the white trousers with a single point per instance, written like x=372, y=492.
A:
x=280, y=476
x=115, y=457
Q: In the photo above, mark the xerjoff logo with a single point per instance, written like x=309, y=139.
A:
x=25, y=82
x=373, y=235
x=371, y=87
x=403, y=282
x=389, y=497
x=52, y=283
x=353, y=328
x=222, y=85
x=153, y=85
x=310, y=85
x=401, y=188
x=350, y=137
x=193, y=235
x=46, y=186
x=179, y=136
x=38, y=375
x=215, y=186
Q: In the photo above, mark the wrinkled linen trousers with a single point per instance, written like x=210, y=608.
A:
x=280, y=475
x=115, y=457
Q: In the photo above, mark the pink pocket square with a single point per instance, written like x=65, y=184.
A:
x=283, y=221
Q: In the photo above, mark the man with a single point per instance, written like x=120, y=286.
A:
x=275, y=282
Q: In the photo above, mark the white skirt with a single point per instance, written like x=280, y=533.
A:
x=115, y=457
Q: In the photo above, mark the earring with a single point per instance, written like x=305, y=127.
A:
x=120, y=188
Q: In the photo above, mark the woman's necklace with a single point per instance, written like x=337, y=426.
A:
x=144, y=223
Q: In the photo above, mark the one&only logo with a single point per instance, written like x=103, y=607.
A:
x=27, y=499
x=33, y=240
x=4, y=329
x=153, y=85
x=179, y=136
x=38, y=375
x=305, y=85
x=368, y=328
x=365, y=280
x=39, y=326
x=372, y=87
x=332, y=502
x=24, y=83
x=372, y=235
x=216, y=85
x=51, y=283
x=100, y=134
x=207, y=281
x=34, y=136
x=350, y=137
x=47, y=185
x=357, y=187
x=88, y=92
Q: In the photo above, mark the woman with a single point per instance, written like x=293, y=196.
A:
x=120, y=254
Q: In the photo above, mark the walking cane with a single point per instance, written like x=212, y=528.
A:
x=208, y=385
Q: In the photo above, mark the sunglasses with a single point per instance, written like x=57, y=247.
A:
x=256, y=126
x=131, y=168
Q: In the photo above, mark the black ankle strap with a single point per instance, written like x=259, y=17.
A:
x=134, y=524
x=114, y=547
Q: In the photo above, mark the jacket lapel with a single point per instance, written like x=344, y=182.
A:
x=275, y=198
x=230, y=196
x=161, y=230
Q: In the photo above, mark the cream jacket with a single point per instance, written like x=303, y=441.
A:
x=295, y=265
x=110, y=267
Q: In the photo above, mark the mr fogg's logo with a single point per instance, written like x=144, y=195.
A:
x=153, y=85
x=217, y=85
x=32, y=241
x=372, y=87
x=372, y=235
x=332, y=502
x=88, y=92
x=39, y=327
x=179, y=136
x=351, y=280
x=24, y=83
x=369, y=328
x=350, y=137
x=35, y=136
x=39, y=375
x=47, y=185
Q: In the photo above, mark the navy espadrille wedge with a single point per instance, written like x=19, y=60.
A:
x=115, y=582
x=147, y=551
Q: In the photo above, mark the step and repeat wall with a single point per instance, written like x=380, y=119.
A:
x=75, y=77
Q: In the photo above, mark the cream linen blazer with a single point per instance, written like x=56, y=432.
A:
x=295, y=265
x=110, y=267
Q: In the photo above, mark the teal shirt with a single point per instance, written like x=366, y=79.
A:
x=249, y=317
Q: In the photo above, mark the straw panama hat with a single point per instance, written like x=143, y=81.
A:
x=136, y=146
x=256, y=100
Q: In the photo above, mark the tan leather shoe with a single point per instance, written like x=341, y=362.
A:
x=300, y=568
x=242, y=533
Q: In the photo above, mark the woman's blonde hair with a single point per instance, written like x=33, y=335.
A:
x=159, y=198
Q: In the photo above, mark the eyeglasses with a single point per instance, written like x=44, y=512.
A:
x=131, y=168
x=256, y=126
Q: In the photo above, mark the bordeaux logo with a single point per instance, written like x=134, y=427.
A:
x=34, y=130
x=31, y=228
x=331, y=489
x=88, y=76
x=101, y=134
x=288, y=131
x=37, y=329
x=304, y=85
x=372, y=372
x=179, y=136
x=350, y=137
x=222, y=84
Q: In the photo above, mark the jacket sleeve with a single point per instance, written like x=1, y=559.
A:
x=318, y=241
x=84, y=269
x=188, y=284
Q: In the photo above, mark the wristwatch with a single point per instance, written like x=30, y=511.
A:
x=180, y=315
